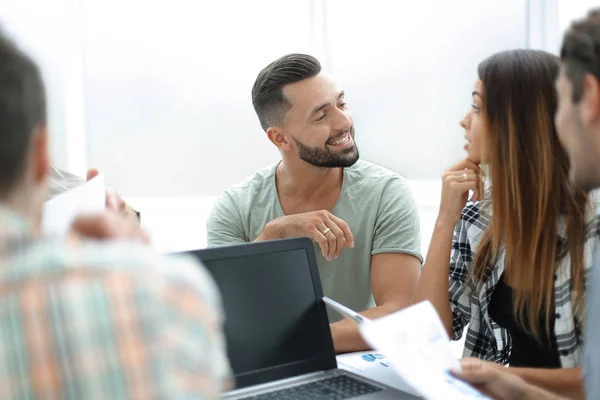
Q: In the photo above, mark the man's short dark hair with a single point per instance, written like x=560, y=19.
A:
x=580, y=51
x=22, y=109
x=267, y=96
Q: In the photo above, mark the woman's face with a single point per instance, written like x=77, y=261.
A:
x=475, y=125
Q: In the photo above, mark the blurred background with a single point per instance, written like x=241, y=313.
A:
x=156, y=93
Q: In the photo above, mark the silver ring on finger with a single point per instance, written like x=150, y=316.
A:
x=326, y=231
x=465, y=177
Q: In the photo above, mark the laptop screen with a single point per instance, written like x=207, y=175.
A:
x=276, y=324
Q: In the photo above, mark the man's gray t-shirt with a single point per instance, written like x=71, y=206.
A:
x=376, y=203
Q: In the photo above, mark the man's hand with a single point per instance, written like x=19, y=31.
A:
x=114, y=202
x=332, y=233
x=109, y=226
x=497, y=382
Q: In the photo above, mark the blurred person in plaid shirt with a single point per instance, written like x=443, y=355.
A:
x=83, y=317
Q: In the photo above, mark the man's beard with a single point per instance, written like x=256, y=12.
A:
x=323, y=157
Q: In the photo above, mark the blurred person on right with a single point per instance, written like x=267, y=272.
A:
x=578, y=128
x=510, y=264
x=83, y=317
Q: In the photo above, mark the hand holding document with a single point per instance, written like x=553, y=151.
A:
x=417, y=348
x=60, y=212
x=417, y=345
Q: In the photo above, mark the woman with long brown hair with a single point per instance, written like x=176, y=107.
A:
x=511, y=262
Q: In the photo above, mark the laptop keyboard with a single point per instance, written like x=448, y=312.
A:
x=336, y=388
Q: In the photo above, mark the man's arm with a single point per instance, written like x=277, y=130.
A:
x=395, y=264
x=394, y=278
x=324, y=228
x=225, y=227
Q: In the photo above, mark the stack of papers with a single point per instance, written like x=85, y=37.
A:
x=418, y=350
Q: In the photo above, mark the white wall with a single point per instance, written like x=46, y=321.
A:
x=568, y=10
x=168, y=90
x=48, y=32
x=409, y=69
x=157, y=93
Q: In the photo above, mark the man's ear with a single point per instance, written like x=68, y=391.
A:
x=276, y=136
x=39, y=151
x=590, y=103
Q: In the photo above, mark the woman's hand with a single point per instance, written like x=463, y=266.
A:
x=497, y=381
x=456, y=184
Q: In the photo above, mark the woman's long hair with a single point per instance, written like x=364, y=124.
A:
x=530, y=188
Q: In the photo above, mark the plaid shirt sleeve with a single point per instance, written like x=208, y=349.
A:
x=146, y=328
x=461, y=258
x=192, y=321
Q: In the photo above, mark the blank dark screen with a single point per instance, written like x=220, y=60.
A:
x=272, y=313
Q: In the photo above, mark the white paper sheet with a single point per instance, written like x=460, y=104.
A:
x=417, y=345
x=59, y=212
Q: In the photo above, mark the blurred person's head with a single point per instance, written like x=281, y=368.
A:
x=528, y=170
x=578, y=86
x=303, y=112
x=24, y=160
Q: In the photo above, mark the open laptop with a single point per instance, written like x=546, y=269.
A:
x=278, y=338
